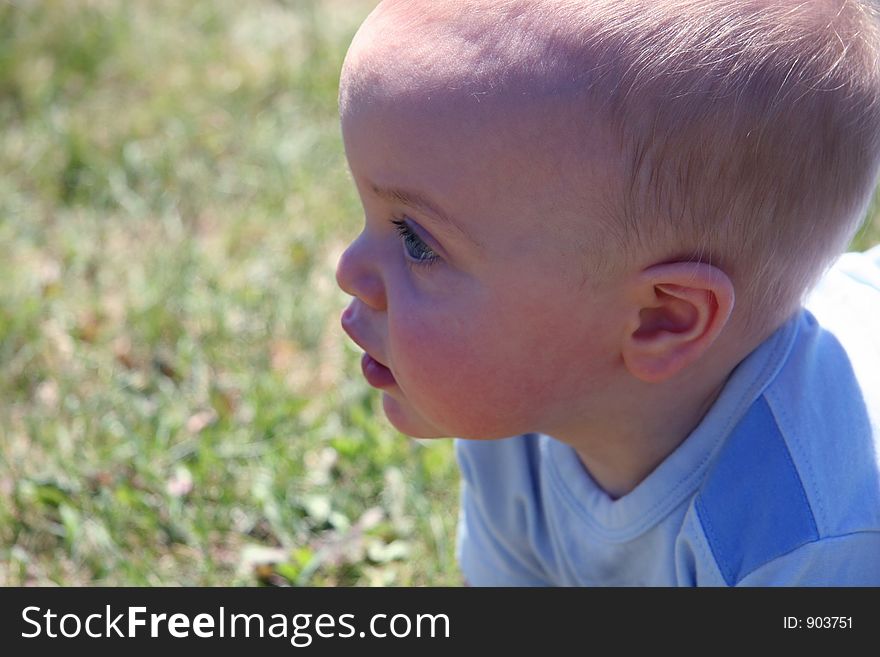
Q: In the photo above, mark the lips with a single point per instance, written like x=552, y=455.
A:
x=376, y=374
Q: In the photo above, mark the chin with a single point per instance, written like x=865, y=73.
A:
x=407, y=421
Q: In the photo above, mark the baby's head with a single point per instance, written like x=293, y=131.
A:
x=563, y=197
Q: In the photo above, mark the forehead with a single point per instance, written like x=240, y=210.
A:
x=448, y=70
x=459, y=155
x=441, y=97
x=402, y=43
x=478, y=50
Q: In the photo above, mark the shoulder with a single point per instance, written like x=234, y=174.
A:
x=794, y=493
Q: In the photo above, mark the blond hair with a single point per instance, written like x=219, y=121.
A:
x=752, y=133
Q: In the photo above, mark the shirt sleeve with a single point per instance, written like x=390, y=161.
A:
x=850, y=560
x=491, y=550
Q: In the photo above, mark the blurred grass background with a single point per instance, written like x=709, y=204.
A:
x=177, y=402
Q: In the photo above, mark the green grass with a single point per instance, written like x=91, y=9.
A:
x=869, y=235
x=177, y=402
x=179, y=405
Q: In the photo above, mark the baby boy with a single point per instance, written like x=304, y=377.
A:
x=590, y=226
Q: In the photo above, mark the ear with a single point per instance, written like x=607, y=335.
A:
x=680, y=309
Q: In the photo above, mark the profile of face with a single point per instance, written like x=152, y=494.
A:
x=471, y=297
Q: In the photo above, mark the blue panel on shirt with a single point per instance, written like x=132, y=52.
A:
x=753, y=507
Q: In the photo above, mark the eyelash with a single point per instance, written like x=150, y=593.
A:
x=423, y=255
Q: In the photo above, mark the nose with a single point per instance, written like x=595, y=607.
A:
x=357, y=274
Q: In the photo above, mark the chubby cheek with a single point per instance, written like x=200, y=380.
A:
x=481, y=376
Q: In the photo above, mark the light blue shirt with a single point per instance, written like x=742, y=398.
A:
x=778, y=485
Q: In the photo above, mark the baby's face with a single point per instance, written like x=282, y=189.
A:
x=472, y=297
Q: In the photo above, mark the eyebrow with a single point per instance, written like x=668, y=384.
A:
x=420, y=202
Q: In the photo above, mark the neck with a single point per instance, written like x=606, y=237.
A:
x=642, y=440
x=641, y=424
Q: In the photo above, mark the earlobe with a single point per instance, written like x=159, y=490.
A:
x=680, y=309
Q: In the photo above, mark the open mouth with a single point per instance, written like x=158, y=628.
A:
x=376, y=374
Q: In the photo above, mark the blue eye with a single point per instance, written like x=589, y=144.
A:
x=416, y=249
